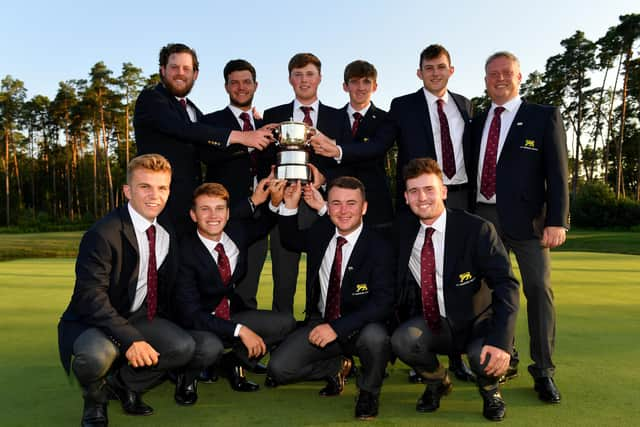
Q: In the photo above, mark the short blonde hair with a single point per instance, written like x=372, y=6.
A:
x=152, y=162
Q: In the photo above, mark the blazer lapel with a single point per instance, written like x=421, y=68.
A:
x=516, y=131
x=231, y=120
x=451, y=249
x=422, y=109
x=404, y=251
x=130, y=237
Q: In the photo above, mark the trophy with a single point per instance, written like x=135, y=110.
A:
x=292, y=140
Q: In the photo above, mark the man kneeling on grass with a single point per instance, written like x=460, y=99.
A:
x=349, y=295
x=116, y=324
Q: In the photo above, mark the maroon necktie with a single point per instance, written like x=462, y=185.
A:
x=183, y=102
x=488, y=178
x=152, y=275
x=428, y=282
x=307, y=115
x=357, y=118
x=253, y=156
x=222, y=310
x=332, y=307
x=448, y=159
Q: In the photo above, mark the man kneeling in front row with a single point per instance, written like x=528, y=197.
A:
x=443, y=258
x=349, y=296
x=116, y=324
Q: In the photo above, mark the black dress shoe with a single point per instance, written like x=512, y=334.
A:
x=414, y=378
x=335, y=384
x=430, y=399
x=460, y=369
x=366, y=406
x=239, y=381
x=547, y=390
x=270, y=382
x=131, y=401
x=186, y=392
x=259, y=369
x=493, y=407
x=94, y=414
x=353, y=372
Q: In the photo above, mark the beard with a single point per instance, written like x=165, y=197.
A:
x=241, y=104
x=176, y=91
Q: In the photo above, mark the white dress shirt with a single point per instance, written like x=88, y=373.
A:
x=351, y=110
x=232, y=252
x=140, y=225
x=437, y=238
x=456, y=130
x=298, y=114
x=327, y=263
x=191, y=112
x=506, y=120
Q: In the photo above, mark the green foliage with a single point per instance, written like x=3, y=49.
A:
x=595, y=205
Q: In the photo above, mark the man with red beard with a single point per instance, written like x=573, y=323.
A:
x=168, y=123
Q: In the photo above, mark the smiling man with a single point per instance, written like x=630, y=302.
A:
x=116, y=324
x=213, y=260
x=349, y=296
x=521, y=187
x=443, y=257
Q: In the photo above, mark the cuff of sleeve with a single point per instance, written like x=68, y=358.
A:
x=236, y=332
x=338, y=159
x=322, y=210
x=285, y=211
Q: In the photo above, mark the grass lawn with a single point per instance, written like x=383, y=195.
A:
x=597, y=355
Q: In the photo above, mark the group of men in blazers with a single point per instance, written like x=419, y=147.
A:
x=433, y=280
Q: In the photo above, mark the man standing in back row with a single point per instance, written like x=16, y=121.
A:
x=522, y=188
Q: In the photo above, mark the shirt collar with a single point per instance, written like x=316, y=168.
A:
x=315, y=105
x=237, y=111
x=352, y=237
x=431, y=98
x=140, y=223
x=511, y=106
x=351, y=110
x=211, y=244
x=439, y=224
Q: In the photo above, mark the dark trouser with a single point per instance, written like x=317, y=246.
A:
x=535, y=268
x=247, y=288
x=417, y=346
x=95, y=355
x=271, y=327
x=296, y=359
x=284, y=268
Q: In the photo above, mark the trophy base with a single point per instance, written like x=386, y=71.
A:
x=293, y=172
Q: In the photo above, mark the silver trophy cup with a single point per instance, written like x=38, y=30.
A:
x=292, y=140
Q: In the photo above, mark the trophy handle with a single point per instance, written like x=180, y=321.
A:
x=311, y=131
x=276, y=135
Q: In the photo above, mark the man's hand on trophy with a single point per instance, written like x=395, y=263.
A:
x=313, y=197
x=292, y=194
x=258, y=139
x=261, y=192
x=324, y=146
x=318, y=178
x=276, y=189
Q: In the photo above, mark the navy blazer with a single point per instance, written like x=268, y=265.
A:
x=199, y=288
x=231, y=167
x=330, y=122
x=163, y=126
x=367, y=289
x=372, y=173
x=408, y=124
x=473, y=254
x=532, y=184
x=106, y=280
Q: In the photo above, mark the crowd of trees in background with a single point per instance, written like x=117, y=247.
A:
x=64, y=160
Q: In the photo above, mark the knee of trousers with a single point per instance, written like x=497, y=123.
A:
x=277, y=368
x=401, y=343
x=181, y=352
x=207, y=351
x=93, y=364
x=374, y=336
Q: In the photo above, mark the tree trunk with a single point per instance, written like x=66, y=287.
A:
x=109, y=200
x=7, y=191
x=607, y=146
x=619, y=189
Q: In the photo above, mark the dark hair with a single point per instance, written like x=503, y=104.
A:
x=433, y=51
x=347, y=182
x=421, y=166
x=152, y=162
x=212, y=189
x=300, y=60
x=359, y=69
x=172, y=48
x=238, y=65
